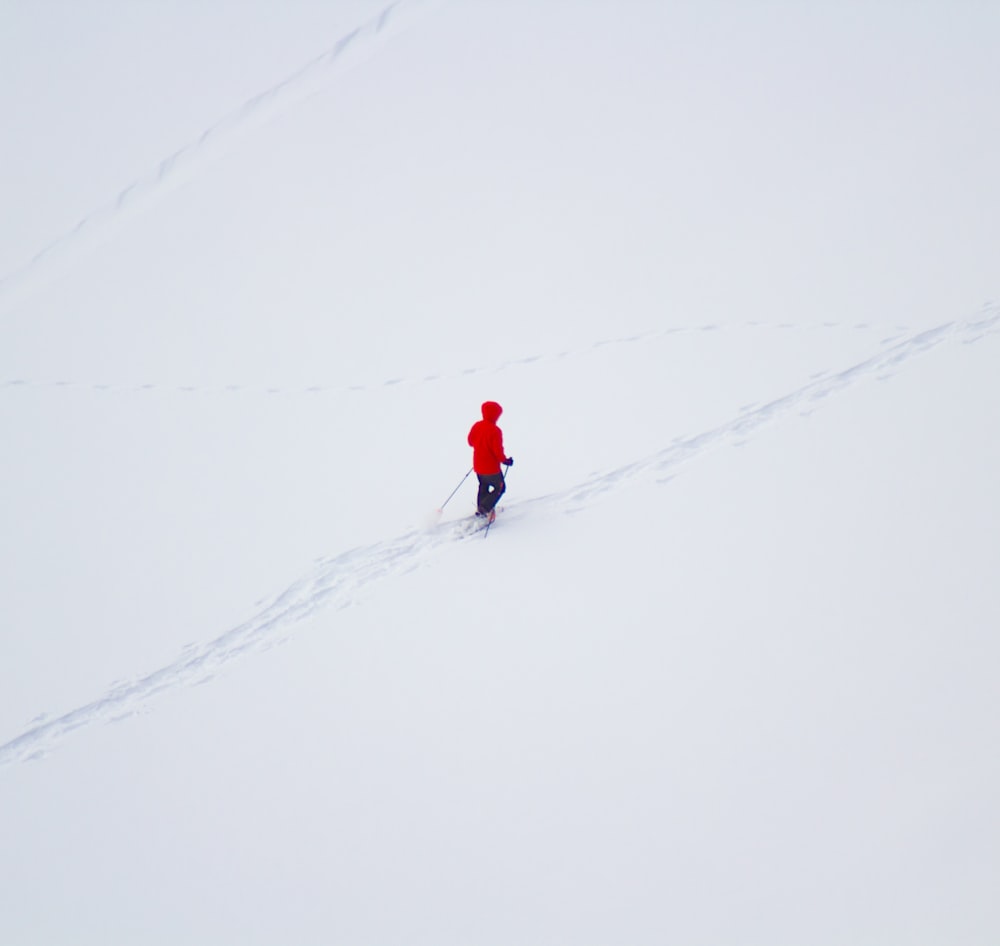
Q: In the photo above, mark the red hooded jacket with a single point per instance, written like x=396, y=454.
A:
x=486, y=440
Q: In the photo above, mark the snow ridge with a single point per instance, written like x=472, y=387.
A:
x=336, y=580
x=356, y=46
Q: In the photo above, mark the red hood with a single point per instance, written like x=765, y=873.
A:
x=492, y=411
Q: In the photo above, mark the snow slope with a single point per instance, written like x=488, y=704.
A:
x=720, y=673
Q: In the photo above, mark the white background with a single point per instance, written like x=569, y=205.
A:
x=724, y=669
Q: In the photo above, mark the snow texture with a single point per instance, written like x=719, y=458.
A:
x=721, y=672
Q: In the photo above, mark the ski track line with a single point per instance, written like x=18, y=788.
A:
x=312, y=78
x=662, y=465
x=891, y=335
x=335, y=580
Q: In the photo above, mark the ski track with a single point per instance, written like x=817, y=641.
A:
x=891, y=335
x=311, y=79
x=335, y=581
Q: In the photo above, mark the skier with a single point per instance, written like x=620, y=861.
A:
x=486, y=440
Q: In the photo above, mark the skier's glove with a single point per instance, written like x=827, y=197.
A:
x=509, y=461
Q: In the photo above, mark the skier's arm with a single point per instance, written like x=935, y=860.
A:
x=498, y=449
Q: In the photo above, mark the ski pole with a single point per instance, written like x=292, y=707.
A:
x=455, y=490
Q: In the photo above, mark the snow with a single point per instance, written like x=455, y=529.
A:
x=723, y=669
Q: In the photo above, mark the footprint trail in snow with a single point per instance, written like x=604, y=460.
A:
x=335, y=581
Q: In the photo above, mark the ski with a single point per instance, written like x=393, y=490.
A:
x=476, y=523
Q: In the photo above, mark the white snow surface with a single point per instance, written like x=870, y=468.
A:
x=724, y=669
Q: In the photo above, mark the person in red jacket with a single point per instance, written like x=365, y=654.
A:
x=486, y=440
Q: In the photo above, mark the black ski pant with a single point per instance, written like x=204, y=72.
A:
x=491, y=488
